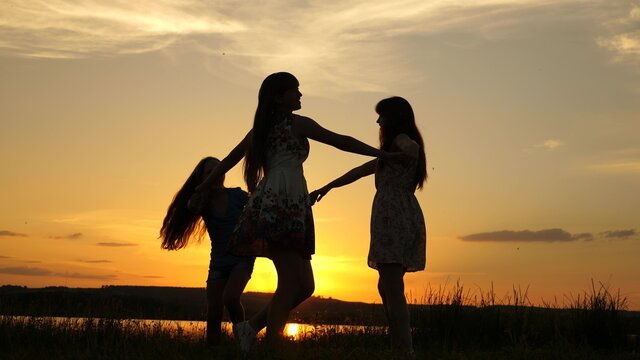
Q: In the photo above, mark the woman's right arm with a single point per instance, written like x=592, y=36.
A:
x=227, y=163
x=350, y=176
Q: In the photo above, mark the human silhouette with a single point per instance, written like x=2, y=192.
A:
x=398, y=232
x=277, y=222
x=228, y=274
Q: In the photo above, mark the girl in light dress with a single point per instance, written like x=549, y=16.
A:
x=398, y=232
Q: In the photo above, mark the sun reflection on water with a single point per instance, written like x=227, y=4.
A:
x=292, y=330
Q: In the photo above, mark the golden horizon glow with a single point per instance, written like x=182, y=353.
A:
x=528, y=110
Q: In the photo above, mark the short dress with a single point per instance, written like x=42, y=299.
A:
x=278, y=215
x=220, y=227
x=398, y=231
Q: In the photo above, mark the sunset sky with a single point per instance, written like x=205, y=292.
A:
x=530, y=111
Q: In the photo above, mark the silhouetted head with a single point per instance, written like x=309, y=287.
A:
x=205, y=167
x=278, y=97
x=277, y=93
x=396, y=117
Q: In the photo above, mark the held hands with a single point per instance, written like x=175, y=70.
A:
x=317, y=195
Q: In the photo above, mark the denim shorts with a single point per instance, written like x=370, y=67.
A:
x=223, y=272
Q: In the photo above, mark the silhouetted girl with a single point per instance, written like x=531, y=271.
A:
x=398, y=233
x=228, y=274
x=277, y=222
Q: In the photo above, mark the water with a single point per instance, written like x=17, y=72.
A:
x=198, y=328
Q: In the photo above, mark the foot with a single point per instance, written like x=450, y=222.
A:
x=245, y=335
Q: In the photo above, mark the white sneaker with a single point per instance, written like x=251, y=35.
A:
x=245, y=335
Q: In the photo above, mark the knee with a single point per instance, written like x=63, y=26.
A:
x=306, y=290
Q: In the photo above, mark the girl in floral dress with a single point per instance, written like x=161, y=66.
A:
x=398, y=232
x=277, y=221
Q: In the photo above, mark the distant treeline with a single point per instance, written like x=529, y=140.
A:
x=168, y=303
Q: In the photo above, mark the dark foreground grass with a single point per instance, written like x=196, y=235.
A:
x=38, y=338
x=448, y=324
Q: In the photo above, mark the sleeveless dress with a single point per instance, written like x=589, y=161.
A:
x=398, y=232
x=278, y=215
x=220, y=227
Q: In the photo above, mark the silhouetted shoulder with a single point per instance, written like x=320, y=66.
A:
x=407, y=145
x=302, y=118
x=303, y=125
x=239, y=194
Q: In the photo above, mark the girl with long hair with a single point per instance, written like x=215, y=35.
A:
x=228, y=274
x=277, y=222
x=398, y=232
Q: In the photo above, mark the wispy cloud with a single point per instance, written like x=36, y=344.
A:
x=328, y=44
x=620, y=234
x=624, y=40
x=118, y=223
x=33, y=271
x=24, y=270
x=95, y=261
x=8, y=233
x=617, y=167
x=547, y=235
x=73, y=29
x=76, y=275
x=617, y=161
x=115, y=244
x=5, y=257
x=73, y=236
x=550, y=144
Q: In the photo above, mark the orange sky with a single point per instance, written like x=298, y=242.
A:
x=529, y=110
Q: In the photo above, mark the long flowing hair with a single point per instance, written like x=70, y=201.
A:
x=399, y=119
x=265, y=118
x=180, y=224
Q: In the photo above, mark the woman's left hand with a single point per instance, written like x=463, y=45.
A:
x=317, y=195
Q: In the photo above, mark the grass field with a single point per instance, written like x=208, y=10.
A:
x=448, y=324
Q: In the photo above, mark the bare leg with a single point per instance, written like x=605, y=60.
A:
x=392, y=283
x=295, y=284
x=233, y=290
x=215, y=307
x=385, y=304
x=259, y=320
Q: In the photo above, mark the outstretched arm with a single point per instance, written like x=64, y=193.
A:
x=227, y=163
x=350, y=176
x=306, y=127
x=199, y=197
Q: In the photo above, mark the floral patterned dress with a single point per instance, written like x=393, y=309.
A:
x=398, y=232
x=278, y=215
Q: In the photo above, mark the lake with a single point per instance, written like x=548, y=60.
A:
x=197, y=328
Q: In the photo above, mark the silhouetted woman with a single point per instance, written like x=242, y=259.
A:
x=277, y=222
x=398, y=232
x=228, y=274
